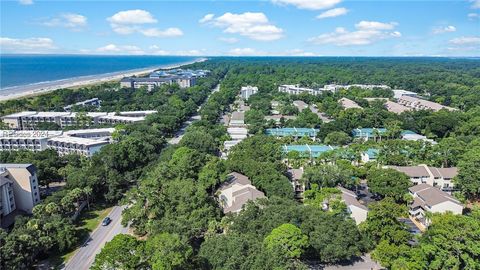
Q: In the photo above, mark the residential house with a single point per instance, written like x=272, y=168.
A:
x=432, y=176
x=356, y=210
x=236, y=192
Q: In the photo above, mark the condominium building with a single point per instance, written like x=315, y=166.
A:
x=429, y=199
x=278, y=118
x=421, y=104
x=19, y=183
x=31, y=120
x=395, y=107
x=84, y=142
x=349, y=104
x=308, y=151
x=380, y=133
x=32, y=140
x=236, y=192
x=237, y=119
x=336, y=87
x=184, y=78
x=292, y=132
x=296, y=176
x=247, y=91
x=95, y=102
x=432, y=176
x=297, y=90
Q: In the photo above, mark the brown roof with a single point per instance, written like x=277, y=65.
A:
x=296, y=174
x=349, y=104
x=431, y=196
x=395, y=107
x=241, y=197
x=445, y=172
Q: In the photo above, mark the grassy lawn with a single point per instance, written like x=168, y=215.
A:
x=86, y=223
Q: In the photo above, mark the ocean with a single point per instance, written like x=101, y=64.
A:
x=19, y=70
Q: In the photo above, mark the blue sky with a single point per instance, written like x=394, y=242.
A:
x=273, y=27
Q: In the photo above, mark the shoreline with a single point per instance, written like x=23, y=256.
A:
x=35, y=89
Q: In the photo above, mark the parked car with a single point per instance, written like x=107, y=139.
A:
x=106, y=221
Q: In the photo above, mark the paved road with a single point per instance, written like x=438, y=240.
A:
x=85, y=255
x=191, y=120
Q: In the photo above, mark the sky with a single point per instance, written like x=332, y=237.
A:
x=238, y=28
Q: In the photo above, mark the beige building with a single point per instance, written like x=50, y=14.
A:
x=432, y=176
x=395, y=107
x=20, y=185
x=296, y=176
x=349, y=104
x=358, y=211
x=429, y=199
x=421, y=104
x=236, y=192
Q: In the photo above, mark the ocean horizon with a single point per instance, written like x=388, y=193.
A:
x=21, y=70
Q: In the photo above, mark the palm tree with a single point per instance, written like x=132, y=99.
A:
x=88, y=192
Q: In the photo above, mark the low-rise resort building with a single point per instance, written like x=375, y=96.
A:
x=441, y=178
x=236, y=192
x=292, y=132
x=308, y=151
x=247, y=91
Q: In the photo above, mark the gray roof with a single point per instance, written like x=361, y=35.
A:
x=30, y=167
x=350, y=198
x=241, y=197
x=295, y=174
x=237, y=116
x=235, y=178
x=412, y=171
x=300, y=105
x=444, y=172
x=431, y=196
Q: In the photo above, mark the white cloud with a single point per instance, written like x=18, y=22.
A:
x=26, y=2
x=134, y=16
x=206, y=18
x=169, y=32
x=473, y=16
x=444, y=29
x=68, y=20
x=333, y=13
x=308, y=4
x=367, y=32
x=463, y=41
x=475, y=4
x=254, y=25
x=245, y=52
x=27, y=45
x=230, y=40
x=130, y=21
x=115, y=49
x=299, y=52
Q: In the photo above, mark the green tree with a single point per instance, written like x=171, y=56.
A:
x=123, y=252
x=337, y=138
x=287, y=239
x=468, y=178
x=388, y=183
x=167, y=252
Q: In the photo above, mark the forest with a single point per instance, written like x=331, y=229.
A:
x=170, y=190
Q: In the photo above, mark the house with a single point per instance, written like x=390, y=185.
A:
x=247, y=91
x=227, y=145
x=429, y=199
x=293, y=132
x=19, y=188
x=295, y=176
x=300, y=105
x=421, y=104
x=308, y=151
x=349, y=104
x=369, y=155
x=432, y=176
x=357, y=210
x=236, y=192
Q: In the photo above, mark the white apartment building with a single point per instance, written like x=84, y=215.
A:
x=84, y=142
x=429, y=199
x=247, y=91
x=297, y=90
x=151, y=83
x=30, y=120
x=432, y=176
x=398, y=93
x=89, y=102
x=21, y=181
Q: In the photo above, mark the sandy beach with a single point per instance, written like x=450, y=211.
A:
x=46, y=87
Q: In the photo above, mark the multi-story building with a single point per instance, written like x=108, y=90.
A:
x=380, y=133
x=95, y=102
x=7, y=199
x=31, y=120
x=184, y=78
x=236, y=192
x=237, y=119
x=296, y=176
x=84, y=142
x=292, y=132
x=308, y=151
x=297, y=90
x=421, y=104
x=432, y=176
x=398, y=93
x=22, y=180
x=429, y=199
x=247, y=91
x=32, y=140
x=395, y=107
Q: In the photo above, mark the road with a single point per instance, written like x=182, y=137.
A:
x=85, y=255
x=191, y=120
